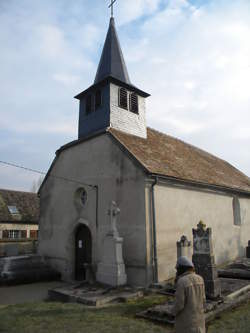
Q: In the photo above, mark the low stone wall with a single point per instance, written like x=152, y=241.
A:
x=17, y=247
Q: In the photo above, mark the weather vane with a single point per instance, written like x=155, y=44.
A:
x=111, y=6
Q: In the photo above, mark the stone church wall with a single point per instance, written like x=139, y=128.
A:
x=178, y=210
x=98, y=161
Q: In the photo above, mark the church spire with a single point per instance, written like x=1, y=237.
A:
x=112, y=62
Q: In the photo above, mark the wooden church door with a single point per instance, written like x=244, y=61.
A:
x=83, y=249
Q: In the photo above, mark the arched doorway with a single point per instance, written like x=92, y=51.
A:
x=83, y=251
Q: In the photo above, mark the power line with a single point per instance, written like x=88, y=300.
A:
x=44, y=173
x=22, y=167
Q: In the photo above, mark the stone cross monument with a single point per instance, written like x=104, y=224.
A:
x=183, y=247
x=203, y=259
x=113, y=212
x=111, y=269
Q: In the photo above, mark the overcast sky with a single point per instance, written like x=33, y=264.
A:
x=192, y=56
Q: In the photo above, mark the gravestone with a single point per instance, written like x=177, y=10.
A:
x=203, y=260
x=248, y=250
x=183, y=247
x=111, y=269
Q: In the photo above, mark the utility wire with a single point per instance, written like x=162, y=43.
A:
x=44, y=173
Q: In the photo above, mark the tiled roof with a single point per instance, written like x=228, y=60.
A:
x=167, y=156
x=26, y=203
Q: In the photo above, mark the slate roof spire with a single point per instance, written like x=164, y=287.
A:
x=112, y=62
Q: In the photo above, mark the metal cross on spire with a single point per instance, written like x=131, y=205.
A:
x=111, y=6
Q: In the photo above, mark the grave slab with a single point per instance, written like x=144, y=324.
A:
x=93, y=295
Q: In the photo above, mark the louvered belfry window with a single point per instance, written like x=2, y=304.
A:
x=89, y=104
x=98, y=99
x=133, y=103
x=123, y=98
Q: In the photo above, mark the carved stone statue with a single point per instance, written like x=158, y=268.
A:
x=111, y=269
x=113, y=211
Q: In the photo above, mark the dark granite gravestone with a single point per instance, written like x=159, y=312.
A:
x=204, y=262
x=183, y=247
x=248, y=250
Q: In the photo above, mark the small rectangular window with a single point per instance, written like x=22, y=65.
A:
x=14, y=234
x=133, y=103
x=33, y=234
x=88, y=104
x=98, y=99
x=13, y=210
x=123, y=98
x=236, y=211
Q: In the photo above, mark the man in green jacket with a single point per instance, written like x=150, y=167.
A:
x=190, y=299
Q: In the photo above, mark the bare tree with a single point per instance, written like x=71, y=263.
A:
x=36, y=184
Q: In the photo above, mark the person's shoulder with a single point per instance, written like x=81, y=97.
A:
x=184, y=279
x=189, y=279
x=198, y=278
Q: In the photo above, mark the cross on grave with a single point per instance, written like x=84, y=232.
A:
x=111, y=6
x=113, y=212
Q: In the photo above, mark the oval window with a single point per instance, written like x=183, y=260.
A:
x=83, y=196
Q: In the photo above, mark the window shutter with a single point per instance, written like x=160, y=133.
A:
x=23, y=233
x=133, y=101
x=123, y=98
x=33, y=234
x=5, y=234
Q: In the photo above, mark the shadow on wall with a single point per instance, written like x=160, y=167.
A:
x=228, y=255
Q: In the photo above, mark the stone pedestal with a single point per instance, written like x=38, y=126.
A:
x=248, y=250
x=203, y=260
x=183, y=247
x=111, y=269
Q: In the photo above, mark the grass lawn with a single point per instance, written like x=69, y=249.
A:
x=75, y=318
x=236, y=320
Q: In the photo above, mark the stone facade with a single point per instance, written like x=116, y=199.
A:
x=97, y=161
x=179, y=207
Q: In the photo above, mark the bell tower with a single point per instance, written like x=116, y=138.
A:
x=112, y=101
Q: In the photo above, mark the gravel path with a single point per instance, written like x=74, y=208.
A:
x=26, y=293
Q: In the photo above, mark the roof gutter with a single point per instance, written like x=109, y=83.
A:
x=155, y=259
x=200, y=185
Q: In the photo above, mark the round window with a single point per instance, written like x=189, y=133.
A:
x=83, y=196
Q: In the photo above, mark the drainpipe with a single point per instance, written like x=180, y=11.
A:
x=97, y=203
x=155, y=260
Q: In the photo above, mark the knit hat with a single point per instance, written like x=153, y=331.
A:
x=184, y=262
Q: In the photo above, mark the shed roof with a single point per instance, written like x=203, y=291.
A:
x=165, y=155
x=27, y=205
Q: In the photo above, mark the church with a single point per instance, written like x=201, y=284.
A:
x=162, y=186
